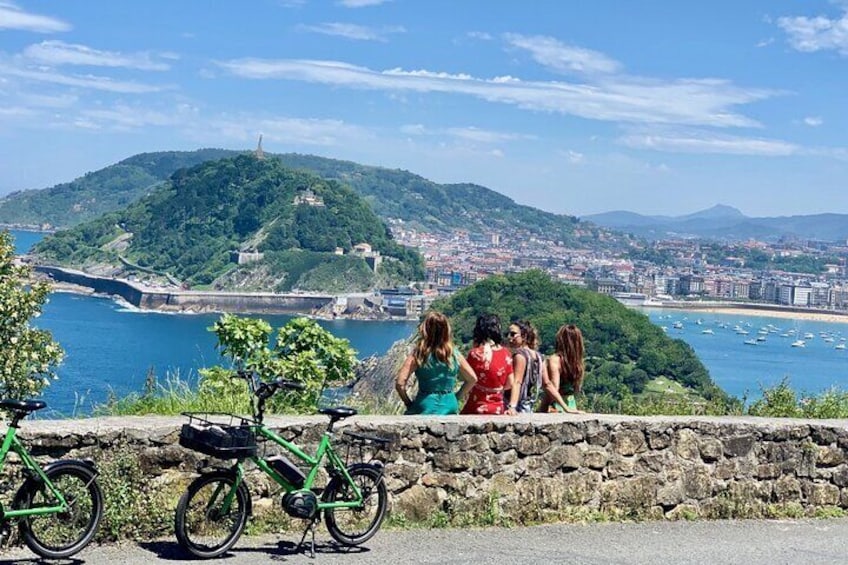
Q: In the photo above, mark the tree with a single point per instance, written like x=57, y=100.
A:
x=304, y=352
x=27, y=355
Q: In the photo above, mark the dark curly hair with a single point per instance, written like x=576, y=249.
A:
x=488, y=326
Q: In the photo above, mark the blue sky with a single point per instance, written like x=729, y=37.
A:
x=655, y=106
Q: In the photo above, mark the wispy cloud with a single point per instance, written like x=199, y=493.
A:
x=287, y=130
x=818, y=33
x=353, y=31
x=563, y=58
x=361, y=3
x=472, y=134
x=13, y=17
x=573, y=157
x=683, y=101
x=707, y=142
x=813, y=121
x=60, y=53
x=482, y=35
x=80, y=81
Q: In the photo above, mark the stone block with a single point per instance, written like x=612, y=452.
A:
x=739, y=446
x=829, y=456
x=711, y=449
x=564, y=457
x=629, y=442
x=595, y=457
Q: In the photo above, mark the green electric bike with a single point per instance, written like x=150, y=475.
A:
x=212, y=514
x=59, y=506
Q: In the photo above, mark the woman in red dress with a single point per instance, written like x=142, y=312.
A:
x=493, y=365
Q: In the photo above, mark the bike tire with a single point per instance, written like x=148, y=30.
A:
x=355, y=526
x=200, y=528
x=62, y=534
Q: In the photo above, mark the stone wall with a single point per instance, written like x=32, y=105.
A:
x=540, y=467
x=188, y=300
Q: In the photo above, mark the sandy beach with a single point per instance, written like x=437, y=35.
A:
x=835, y=317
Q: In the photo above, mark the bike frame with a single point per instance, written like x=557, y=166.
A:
x=325, y=450
x=12, y=443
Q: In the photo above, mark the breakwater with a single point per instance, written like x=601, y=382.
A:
x=166, y=300
x=533, y=467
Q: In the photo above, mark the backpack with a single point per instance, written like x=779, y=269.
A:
x=531, y=385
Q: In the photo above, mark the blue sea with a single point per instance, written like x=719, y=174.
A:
x=109, y=347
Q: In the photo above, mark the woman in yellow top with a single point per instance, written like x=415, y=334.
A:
x=436, y=363
x=566, y=368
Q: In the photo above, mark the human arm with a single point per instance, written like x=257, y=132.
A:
x=519, y=365
x=408, y=367
x=469, y=379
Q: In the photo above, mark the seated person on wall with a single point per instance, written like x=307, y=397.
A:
x=528, y=368
x=436, y=363
x=493, y=365
x=565, y=371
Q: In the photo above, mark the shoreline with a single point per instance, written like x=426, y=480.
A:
x=82, y=290
x=759, y=310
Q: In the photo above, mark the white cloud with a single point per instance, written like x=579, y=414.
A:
x=12, y=17
x=683, y=101
x=61, y=53
x=361, y=3
x=707, y=142
x=80, y=81
x=813, y=121
x=353, y=31
x=473, y=134
x=817, y=34
x=482, y=35
x=765, y=42
x=574, y=157
x=285, y=130
x=563, y=58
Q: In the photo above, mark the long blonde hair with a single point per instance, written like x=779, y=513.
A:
x=434, y=338
x=569, y=346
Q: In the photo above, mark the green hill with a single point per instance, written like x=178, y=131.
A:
x=99, y=192
x=625, y=352
x=395, y=195
x=187, y=229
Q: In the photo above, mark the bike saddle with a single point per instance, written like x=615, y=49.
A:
x=23, y=405
x=338, y=412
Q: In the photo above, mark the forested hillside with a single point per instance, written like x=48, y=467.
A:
x=98, y=192
x=188, y=228
x=624, y=350
x=392, y=193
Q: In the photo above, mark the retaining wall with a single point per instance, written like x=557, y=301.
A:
x=538, y=467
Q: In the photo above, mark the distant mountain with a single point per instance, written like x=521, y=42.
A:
x=726, y=223
x=393, y=194
x=98, y=192
x=287, y=225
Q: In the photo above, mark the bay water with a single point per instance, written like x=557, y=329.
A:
x=112, y=348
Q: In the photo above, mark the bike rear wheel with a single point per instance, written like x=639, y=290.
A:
x=62, y=534
x=355, y=526
x=204, y=527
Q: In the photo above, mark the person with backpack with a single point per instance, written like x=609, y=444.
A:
x=436, y=363
x=528, y=367
x=566, y=369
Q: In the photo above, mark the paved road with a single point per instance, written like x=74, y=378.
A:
x=760, y=542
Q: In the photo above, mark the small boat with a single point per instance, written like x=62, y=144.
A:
x=740, y=331
x=751, y=342
x=784, y=335
x=761, y=338
x=808, y=335
x=799, y=343
x=707, y=331
x=828, y=340
x=677, y=325
x=840, y=346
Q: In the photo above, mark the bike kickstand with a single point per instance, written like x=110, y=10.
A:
x=309, y=528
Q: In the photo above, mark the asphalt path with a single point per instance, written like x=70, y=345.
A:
x=748, y=542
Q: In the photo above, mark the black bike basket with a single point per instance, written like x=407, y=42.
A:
x=225, y=436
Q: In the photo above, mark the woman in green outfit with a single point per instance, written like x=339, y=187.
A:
x=566, y=368
x=436, y=364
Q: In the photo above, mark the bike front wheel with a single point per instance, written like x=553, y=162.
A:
x=212, y=514
x=355, y=526
x=61, y=534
